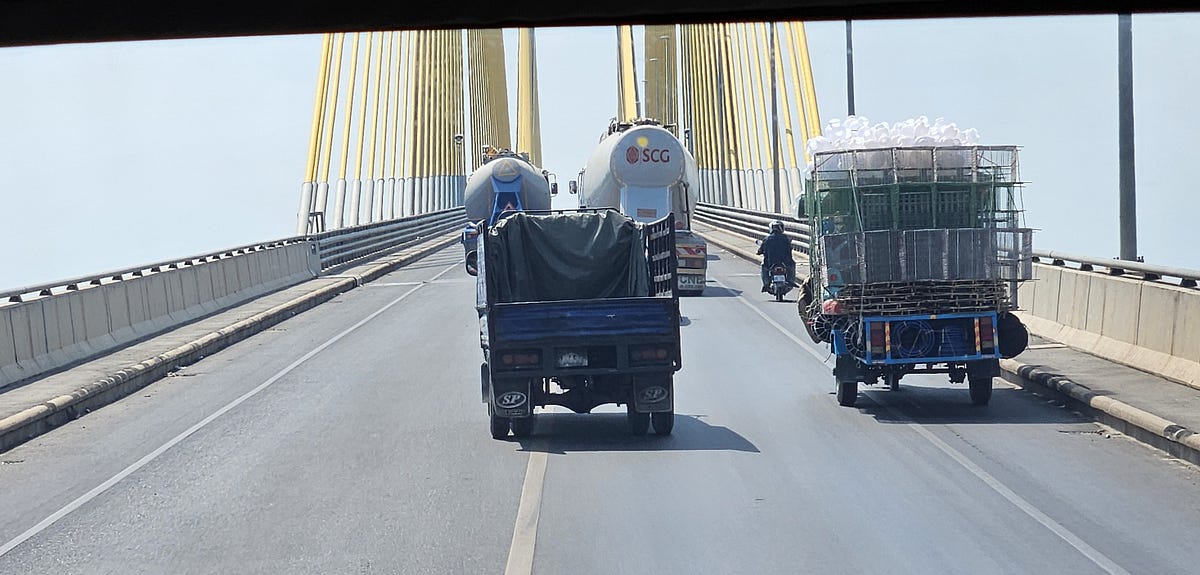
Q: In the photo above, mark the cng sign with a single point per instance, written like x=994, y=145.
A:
x=647, y=155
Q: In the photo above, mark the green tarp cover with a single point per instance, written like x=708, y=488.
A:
x=584, y=255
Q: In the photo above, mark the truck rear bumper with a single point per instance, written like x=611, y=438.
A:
x=939, y=338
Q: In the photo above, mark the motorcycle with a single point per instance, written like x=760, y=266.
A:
x=780, y=284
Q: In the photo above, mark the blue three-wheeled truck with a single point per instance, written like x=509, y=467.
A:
x=577, y=309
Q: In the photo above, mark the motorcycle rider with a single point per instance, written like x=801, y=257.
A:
x=776, y=248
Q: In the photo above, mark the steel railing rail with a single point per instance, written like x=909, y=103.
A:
x=335, y=248
x=346, y=245
x=1118, y=267
x=753, y=224
x=52, y=288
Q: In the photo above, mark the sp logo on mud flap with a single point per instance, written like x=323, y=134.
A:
x=652, y=394
x=510, y=400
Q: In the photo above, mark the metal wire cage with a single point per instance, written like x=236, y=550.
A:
x=915, y=188
x=936, y=215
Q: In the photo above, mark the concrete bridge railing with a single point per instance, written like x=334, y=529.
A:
x=1141, y=315
x=46, y=327
x=1125, y=311
x=51, y=326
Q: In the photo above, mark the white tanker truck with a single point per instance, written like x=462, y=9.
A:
x=643, y=170
x=506, y=182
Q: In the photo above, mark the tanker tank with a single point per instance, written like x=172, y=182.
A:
x=506, y=180
x=643, y=170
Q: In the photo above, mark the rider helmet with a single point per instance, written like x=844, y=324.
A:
x=777, y=226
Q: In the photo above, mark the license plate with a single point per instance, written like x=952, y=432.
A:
x=780, y=278
x=572, y=359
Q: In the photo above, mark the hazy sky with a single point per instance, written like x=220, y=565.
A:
x=120, y=154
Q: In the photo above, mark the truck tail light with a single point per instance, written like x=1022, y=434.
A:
x=520, y=359
x=650, y=354
x=985, y=334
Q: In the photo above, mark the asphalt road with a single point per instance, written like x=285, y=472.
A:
x=351, y=439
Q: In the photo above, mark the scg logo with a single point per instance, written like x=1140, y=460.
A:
x=648, y=155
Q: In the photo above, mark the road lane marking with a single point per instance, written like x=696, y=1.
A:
x=821, y=357
x=100, y=489
x=1095, y=556
x=524, y=539
x=1101, y=560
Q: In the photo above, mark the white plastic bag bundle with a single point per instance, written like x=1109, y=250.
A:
x=857, y=133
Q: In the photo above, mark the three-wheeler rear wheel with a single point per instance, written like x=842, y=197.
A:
x=639, y=423
x=522, y=426
x=846, y=374
x=981, y=390
x=847, y=392
x=499, y=425
x=664, y=422
x=979, y=379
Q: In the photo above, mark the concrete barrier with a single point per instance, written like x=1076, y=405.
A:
x=41, y=329
x=24, y=334
x=140, y=318
x=60, y=334
x=9, y=368
x=120, y=318
x=54, y=331
x=1152, y=326
x=93, y=307
x=189, y=287
x=157, y=301
x=206, y=287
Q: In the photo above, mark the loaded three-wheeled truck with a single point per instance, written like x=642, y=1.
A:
x=577, y=309
x=915, y=259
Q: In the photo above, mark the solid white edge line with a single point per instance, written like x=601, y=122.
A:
x=99, y=489
x=1100, y=559
x=1095, y=556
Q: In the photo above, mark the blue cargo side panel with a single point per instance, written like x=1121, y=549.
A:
x=583, y=318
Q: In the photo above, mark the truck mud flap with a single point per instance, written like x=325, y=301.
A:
x=511, y=397
x=653, y=394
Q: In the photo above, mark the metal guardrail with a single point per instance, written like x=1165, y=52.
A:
x=1117, y=267
x=754, y=224
x=17, y=295
x=335, y=247
x=340, y=247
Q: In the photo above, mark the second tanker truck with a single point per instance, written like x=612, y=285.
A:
x=506, y=182
x=641, y=169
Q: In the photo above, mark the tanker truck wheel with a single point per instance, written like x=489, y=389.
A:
x=639, y=423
